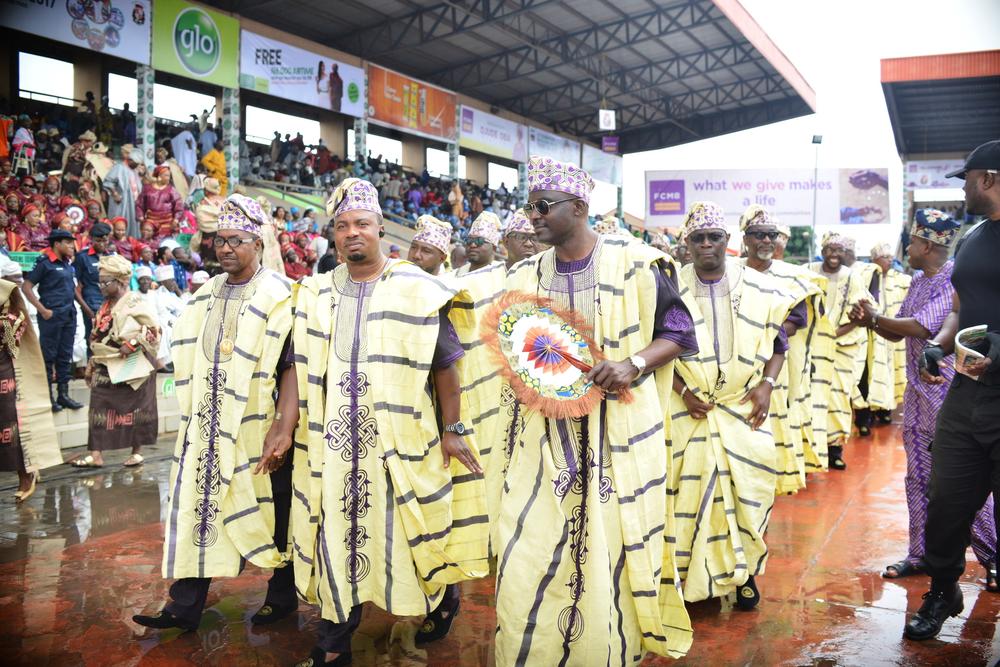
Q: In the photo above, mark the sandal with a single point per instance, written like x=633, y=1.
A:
x=992, y=585
x=21, y=496
x=903, y=568
x=86, y=462
x=747, y=595
x=436, y=625
x=134, y=460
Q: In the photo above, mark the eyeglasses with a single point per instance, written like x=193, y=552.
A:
x=521, y=237
x=477, y=241
x=760, y=236
x=712, y=237
x=233, y=242
x=105, y=283
x=544, y=206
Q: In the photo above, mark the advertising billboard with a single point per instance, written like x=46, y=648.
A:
x=279, y=69
x=116, y=27
x=195, y=42
x=602, y=166
x=930, y=174
x=546, y=144
x=410, y=105
x=493, y=135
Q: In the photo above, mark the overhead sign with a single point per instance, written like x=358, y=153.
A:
x=606, y=120
x=493, y=135
x=930, y=174
x=410, y=105
x=610, y=144
x=843, y=196
x=116, y=27
x=551, y=145
x=195, y=42
x=602, y=166
x=279, y=69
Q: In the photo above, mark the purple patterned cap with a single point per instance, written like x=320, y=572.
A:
x=756, y=216
x=519, y=223
x=833, y=238
x=544, y=173
x=433, y=232
x=242, y=213
x=353, y=194
x=486, y=226
x=704, y=215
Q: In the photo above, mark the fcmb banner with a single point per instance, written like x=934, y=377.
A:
x=279, y=69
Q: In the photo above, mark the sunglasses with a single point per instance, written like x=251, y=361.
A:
x=544, y=206
x=233, y=242
x=712, y=237
x=760, y=236
x=478, y=241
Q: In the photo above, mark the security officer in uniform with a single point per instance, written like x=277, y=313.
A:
x=88, y=288
x=56, y=304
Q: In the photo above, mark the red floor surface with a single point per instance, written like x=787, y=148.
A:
x=84, y=554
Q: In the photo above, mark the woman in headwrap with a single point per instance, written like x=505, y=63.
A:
x=24, y=396
x=161, y=204
x=27, y=189
x=207, y=216
x=124, y=245
x=51, y=191
x=32, y=230
x=124, y=343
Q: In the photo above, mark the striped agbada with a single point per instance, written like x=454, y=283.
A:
x=896, y=285
x=226, y=348
x=585, y=535
x=724, y=472
x=876, y=354
x=375, y=515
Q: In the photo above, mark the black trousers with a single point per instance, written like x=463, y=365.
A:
x=965, y=469
x=55, y=335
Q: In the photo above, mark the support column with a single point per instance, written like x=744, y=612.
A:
x=522, y=184
x=231, y=127
x=453, y=161
x=145, y=121
x=621, y=207
x=360, y=139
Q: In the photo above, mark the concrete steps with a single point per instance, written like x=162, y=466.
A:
x=71, y=425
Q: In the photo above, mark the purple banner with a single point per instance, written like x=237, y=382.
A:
x=666, y=197
x=609, y=145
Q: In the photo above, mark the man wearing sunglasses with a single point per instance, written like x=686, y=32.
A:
x=481, y=247
x=791, y=405
x=519, y=238
x=722, y=443
x=584, y=505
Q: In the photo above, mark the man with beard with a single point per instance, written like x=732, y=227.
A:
x=429, y=246
x=519, y=238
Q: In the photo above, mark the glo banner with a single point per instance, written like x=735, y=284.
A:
x=602, y=166
x=279, y=69
x=842, y=196
x=410, y=105
x=116, y=27
x=195, y=42
x=546, y=144
x=486, y=133
x=930, y=174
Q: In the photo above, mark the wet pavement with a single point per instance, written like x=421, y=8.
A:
x=83, y=555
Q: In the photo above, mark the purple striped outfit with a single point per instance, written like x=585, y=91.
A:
x=929, y=301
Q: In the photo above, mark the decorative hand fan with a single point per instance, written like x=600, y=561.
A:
x=75, y=213
x=544, y=353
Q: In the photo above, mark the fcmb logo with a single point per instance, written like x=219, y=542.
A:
x=197, y=41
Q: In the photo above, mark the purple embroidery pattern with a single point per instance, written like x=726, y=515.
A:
x=208, y=478
x=677, y=319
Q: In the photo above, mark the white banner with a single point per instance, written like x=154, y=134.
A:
x=930, y=174
x=546, y=144
x=842, y=196
x=493, y=135
x=279, y=69
x=116, y=27
x=602, y=166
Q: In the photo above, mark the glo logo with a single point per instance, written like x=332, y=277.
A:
x=197, y=41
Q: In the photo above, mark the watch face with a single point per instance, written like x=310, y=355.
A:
x=458, y=428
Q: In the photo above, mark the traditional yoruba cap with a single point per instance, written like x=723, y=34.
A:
x=703, y=215
x=88, y=136
x=116, y=267
x=833, y=238
x=164, y=272
x=882, y=250
x=59, y=235
x=169, y=243
x=486, y=226
x=212, y=185
x=984, y=156
x=519, y=223
x=544, y=173
x=849, y=243
x=607, y=225
x=755, y=216
x=353, y=194
x=200, y=277
x=433, y=232
x=785, y=231
x=241, y=213
x=143, y=272
x=935, y=226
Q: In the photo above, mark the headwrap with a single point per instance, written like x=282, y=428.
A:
x=487, y=226
x=935, y=226
x=882, y=250
x=833, y=238
x=519, y=223
x=703, y=215
x=114, y=221
x=544, y=173
x=353, y=194
x=241, y=213
x=164, y=272
x=28, y=208
x=116, y=267
x=756, y=215
x=160, y=168
x=143, y=272
x=52, y=178
x=433, y=232
x=212, y=186
x=66, y=201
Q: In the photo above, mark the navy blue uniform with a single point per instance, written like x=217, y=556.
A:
x=85, y=266
x=55, y=279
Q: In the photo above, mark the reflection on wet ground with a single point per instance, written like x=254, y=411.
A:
x=83, y=555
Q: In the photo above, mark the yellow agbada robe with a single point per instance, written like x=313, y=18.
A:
x=375, y=515
x=886, y=381
x=217, y=511
x=835, y=359
x=586, y=573
x=873, y=354
x=724, y=472
x=898, y=284
x=215, y=165
x=791, y=409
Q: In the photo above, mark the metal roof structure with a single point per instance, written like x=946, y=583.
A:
x=943, y=104
x=675, y=70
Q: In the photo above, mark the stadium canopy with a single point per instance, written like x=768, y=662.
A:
x=675, y=71
x=943, y=104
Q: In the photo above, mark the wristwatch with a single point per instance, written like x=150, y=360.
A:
x=639, y=363
x=457, y=428
x=771, y=381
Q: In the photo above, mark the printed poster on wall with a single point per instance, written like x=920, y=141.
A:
x=930, y=174
x=275, y=68
x=195, y=42
x=116, y=27
x=410, y=105
x=486, y=133
x=843, y=196
x=546, y=144
x=602, y=166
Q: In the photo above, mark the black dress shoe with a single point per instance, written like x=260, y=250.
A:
x=436, y=625
x=318, y=659
x=272, y=613
x=935, y=610
x=164, y=620
x=747, y=595
x=836, y=455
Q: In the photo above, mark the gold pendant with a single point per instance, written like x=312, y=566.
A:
x=226, y=346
